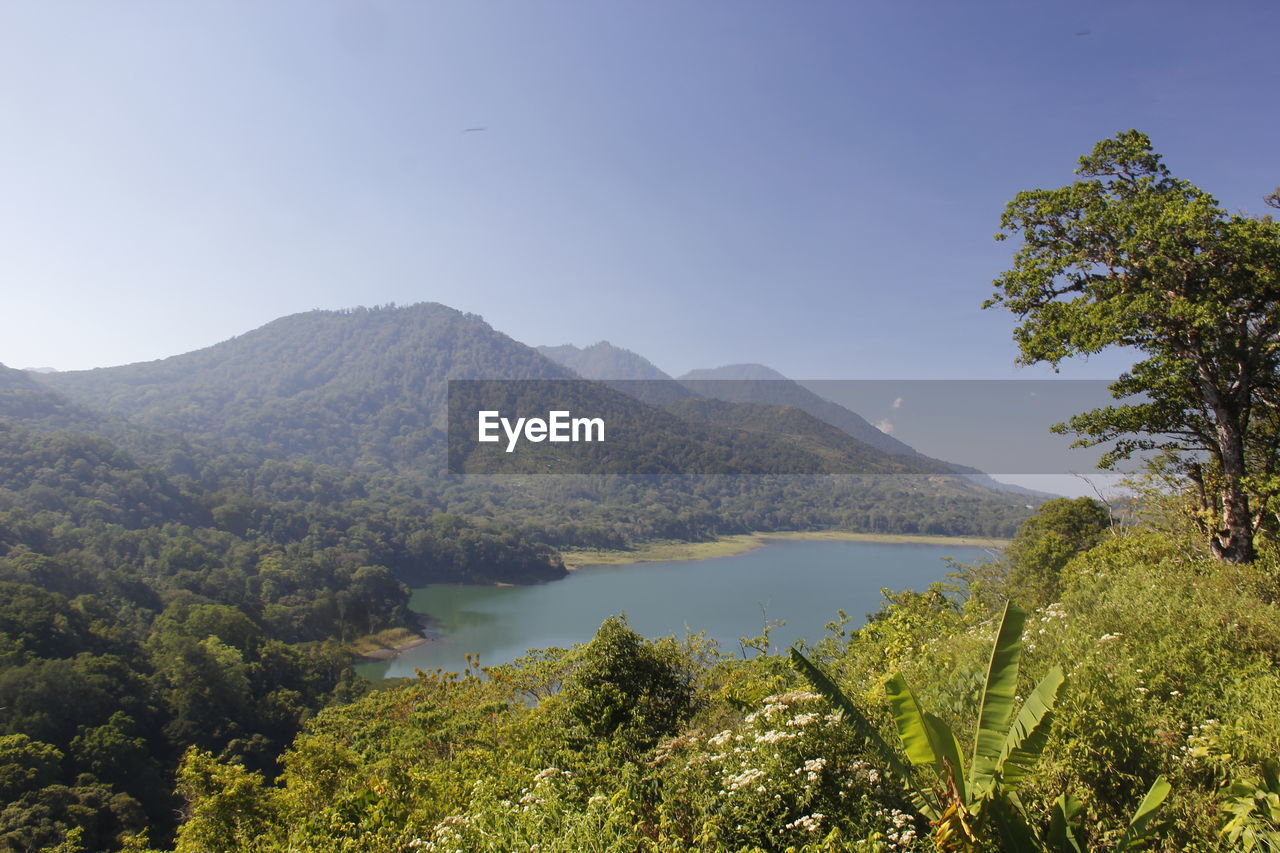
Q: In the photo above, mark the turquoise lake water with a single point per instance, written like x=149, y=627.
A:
x=803, y=583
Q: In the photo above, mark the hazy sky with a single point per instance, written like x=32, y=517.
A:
x=810, y=185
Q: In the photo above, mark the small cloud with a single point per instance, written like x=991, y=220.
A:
x=897, y=404
x=884, y=426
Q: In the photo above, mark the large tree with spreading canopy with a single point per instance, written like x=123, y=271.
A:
x=1131, y=256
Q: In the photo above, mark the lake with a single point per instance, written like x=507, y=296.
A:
x=800, y=582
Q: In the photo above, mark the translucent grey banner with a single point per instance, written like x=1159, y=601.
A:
x=770, y=426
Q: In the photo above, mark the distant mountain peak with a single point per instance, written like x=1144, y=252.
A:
x=735, y=371
x=602, y=361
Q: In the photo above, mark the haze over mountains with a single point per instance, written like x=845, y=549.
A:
x=371, y=387
x=365, y=390
x=754, y=384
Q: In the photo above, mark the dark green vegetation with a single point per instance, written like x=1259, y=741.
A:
x=1136, y=710
x=188, y=546
x=1132, y=256
x=141, y=615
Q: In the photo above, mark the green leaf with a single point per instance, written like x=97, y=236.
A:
x=927, y=740
x=1271, y=775
x=1016, y=835
x=997, y=697
x=948, y=750
x=1029, y=733
x=914, y=732
x=1061, y=837
x=896, y=768
x=1136, y=833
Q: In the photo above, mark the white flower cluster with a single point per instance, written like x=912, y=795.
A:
x=1054, y=611
x=774, y=736
x=1200, y=742
x=866, y=774
x=779, y=703
x=721, y=739
x=745, y=779
x=811, y=769
x=809, y=823
x=901, y=829
x=445, y=836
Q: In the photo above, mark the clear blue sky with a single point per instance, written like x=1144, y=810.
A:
x=810, y=185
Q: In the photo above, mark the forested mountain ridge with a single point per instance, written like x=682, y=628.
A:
x=604, y=361
x=735, y=383
x=24, y=399
x=807, y=432
x=335, y=386
x=369, y=387
x=755, y=383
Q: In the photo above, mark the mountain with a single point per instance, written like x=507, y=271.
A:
x=840, y=451
x=24, y=399
x=621, y=369
x=361, y=387
x=604, y=361
x=735, y=383
x=755, y=383
x=341, y=387
x=363, y=394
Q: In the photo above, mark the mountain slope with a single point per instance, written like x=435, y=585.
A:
x=603, y=361
x=316, y=404
x=755, y=383
x=620, y=369
x=335, y=386
x=840, y=451
x=24, y=399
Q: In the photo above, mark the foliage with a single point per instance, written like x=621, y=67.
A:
x=965, y=808
x=1254, y=808
x=1060, y=529
x=1132, y=256
x=628, y=689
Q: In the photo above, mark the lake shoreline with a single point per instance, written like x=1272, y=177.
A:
x=384, y=648
x=732, y=546
x=389, y=644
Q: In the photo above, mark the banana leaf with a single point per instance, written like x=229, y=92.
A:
x=1136, y=833
x=1029, y=733
x=998, y=694
x=892, y=763
x=927, y=740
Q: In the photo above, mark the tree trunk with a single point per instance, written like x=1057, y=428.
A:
x=1234, y=542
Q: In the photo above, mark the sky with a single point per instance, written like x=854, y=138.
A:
x=813, y=186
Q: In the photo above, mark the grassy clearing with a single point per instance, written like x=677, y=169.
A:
x=663, y=552
x=386, y=642
x=728, y=546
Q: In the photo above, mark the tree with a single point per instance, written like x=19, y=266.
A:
x=1131, y=256
x=628, y=688
x=1060, y=529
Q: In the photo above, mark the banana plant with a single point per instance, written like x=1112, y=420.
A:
x=979, y=799
x=1255, y=811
